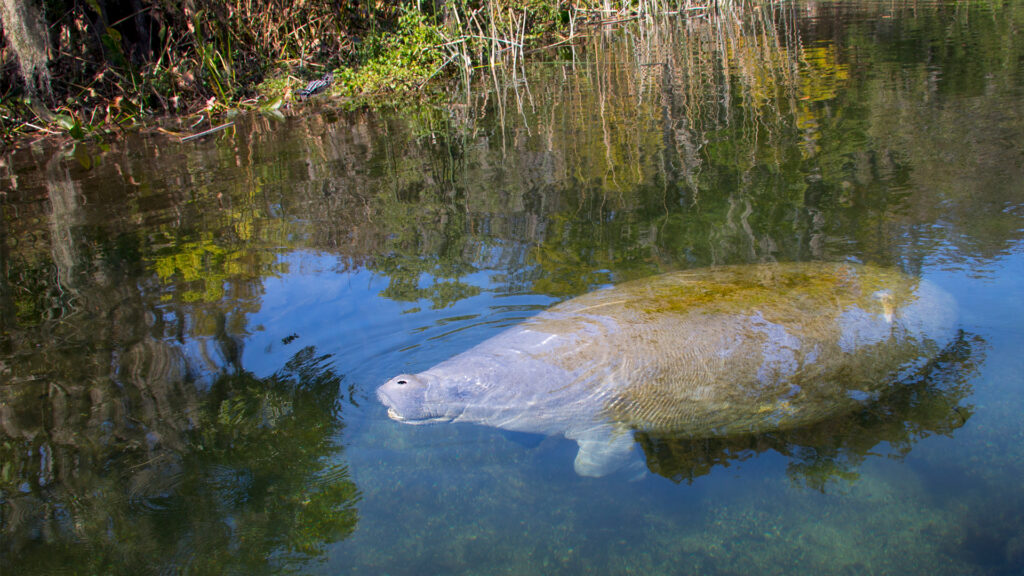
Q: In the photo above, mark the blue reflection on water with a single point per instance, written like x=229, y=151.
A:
x=461, y=498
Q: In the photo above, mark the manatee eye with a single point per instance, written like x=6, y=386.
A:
x=401, y=382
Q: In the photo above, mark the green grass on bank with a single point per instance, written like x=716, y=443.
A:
x=104, y=67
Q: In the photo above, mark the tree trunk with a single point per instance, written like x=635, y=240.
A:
x=26, y=35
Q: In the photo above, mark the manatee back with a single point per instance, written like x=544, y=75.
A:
x=747, y=349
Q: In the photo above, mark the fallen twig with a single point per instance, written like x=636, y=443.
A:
x=208, y=132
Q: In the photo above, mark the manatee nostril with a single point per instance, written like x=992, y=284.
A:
x=401, y=382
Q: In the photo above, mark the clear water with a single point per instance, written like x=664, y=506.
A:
x=192, y=333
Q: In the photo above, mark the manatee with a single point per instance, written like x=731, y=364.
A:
x=716, y=352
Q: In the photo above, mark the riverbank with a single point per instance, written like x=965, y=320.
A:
x=105, y=67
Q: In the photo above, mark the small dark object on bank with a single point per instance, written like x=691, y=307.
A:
x=316, y=86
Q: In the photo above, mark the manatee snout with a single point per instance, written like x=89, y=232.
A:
x=405, y=397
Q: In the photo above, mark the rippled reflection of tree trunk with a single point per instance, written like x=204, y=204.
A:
x=65, y=215
x=7, y=311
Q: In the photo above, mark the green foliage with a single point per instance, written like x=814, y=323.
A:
x=177, y=55
x=401, y=60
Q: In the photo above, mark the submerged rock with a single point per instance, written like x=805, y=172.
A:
x=717, y=352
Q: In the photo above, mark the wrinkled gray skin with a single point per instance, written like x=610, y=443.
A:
x=702, y=353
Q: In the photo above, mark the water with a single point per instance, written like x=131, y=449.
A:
x=193, y=333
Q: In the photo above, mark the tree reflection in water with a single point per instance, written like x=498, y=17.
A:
x=253, y=484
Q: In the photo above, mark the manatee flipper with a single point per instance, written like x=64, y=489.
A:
x=603, y=451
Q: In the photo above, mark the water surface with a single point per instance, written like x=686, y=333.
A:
x=192, y=333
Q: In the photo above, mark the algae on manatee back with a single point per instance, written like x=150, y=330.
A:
x=712, y=352
x=746, y=349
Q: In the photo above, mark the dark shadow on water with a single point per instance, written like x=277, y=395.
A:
x=931, y=402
